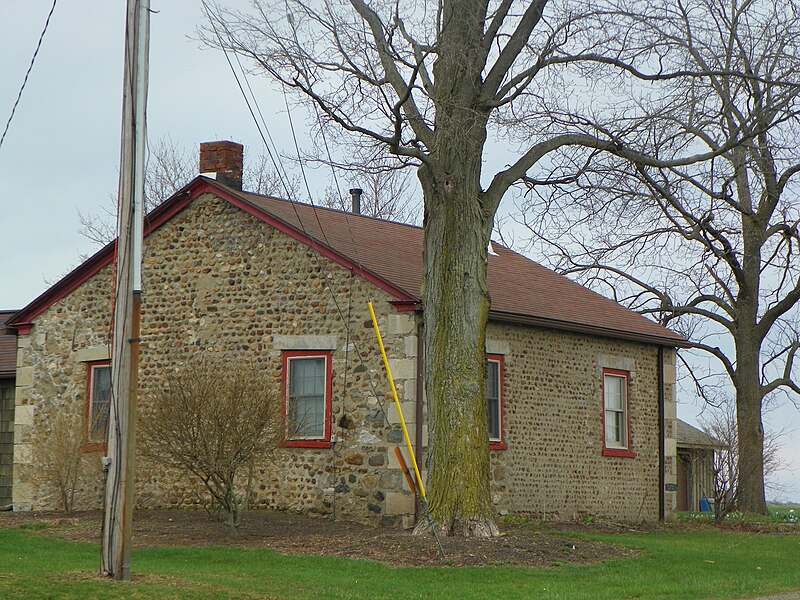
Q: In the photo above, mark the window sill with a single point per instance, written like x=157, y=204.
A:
x=619, y=452
x=306, y=443
x=498, y=446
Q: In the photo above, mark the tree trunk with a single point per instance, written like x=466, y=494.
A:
x=750, y=431
x=232, y=509
x=456, y=308
x=747, y=339
x=458, y=222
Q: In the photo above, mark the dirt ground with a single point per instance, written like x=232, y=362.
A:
x=295, y=534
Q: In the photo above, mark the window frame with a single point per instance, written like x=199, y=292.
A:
x=92, y=443
x=307, y=442
x=622, y=451
x=500, y=442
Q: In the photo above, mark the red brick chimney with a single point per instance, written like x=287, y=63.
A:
x=225, y=159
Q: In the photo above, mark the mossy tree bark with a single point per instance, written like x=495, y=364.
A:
x=748, y=340
x=456, y=308
x=456, y=301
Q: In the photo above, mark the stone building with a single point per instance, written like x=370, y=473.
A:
x=580, y=391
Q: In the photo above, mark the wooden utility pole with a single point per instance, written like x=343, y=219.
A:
x=118, y=518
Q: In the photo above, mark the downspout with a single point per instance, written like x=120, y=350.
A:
x=419, y=412
x=661, y=434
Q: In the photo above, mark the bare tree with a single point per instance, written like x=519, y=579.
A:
x=169, y=168
x=710, y=248
x=720, y=423
x=431, y=81
x=388, y=189
x=216, y=420
x=261, y=177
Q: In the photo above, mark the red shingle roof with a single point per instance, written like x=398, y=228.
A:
x=390, y=255
x=521, y=290
x=8, y=346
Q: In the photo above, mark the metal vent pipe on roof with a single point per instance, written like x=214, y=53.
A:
x=355, y=200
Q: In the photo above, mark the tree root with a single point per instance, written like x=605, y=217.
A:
x=474, y=527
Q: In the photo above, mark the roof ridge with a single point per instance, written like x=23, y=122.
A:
x=311, y=204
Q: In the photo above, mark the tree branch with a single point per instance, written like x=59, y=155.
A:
x=510, y=52
x=719, y=355
x=392, y=74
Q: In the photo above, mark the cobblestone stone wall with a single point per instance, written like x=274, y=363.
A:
x=553, y=407
x=217, y=281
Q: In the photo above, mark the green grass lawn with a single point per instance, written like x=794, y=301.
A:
x=788, y=513
x=702, y=564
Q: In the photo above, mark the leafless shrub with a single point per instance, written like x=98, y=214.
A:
x=728, y=468
x=58, y=455
x=214, y=420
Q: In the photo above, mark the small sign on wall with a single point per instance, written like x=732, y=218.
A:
x=671, y=487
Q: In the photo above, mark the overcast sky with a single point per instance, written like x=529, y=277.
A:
x=60, y=157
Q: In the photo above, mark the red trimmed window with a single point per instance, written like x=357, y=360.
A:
x=616, y=415
x=307, y=384
x=494, y=400
x=98, y=402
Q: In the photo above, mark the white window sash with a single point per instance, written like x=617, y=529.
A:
x=615, y=404
x=311, y=401
x=98, y=407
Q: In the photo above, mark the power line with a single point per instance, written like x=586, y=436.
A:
x=279, y=168
x=282, y=175
x=28, y=72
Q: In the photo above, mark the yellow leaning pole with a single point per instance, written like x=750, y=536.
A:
x=421, y=486
x=397, y=402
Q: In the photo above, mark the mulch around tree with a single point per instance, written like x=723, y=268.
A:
x=291, y=533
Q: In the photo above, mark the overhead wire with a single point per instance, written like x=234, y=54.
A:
x=28, y=72
x=302, y=168
x=249, y=106
x=327, y=148
x=422, y=498
x=321, y=266
x=324, y=271
x=311, y=200
x=339, y=192
x=346, y=321
x=343, y=421
x=303, y=229
x=279, y=168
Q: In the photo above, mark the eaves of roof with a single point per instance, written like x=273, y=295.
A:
x=400, y=276
x=689, y=436
x=671, y=341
